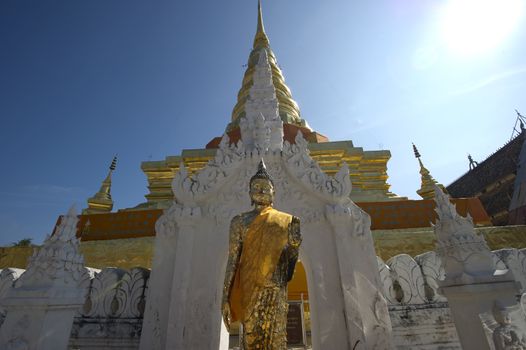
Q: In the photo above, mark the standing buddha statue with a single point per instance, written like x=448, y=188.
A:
x=263, y=252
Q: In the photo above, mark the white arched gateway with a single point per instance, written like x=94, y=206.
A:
x=183, y=305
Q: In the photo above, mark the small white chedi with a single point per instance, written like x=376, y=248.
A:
x=41, y=305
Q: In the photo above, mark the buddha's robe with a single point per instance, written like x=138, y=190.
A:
x=262, y=256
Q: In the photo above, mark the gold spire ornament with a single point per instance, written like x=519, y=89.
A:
x=101, y=202
x=261, y=39
x=289, y=111
x=427, y=186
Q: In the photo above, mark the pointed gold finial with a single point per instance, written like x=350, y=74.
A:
x=101, y=202
x=427, y=186
x=288, y=108
x=261, y=39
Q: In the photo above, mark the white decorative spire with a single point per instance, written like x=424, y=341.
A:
x=261, y=127
x=465, y=255
x=58, y=263
x=41, y=306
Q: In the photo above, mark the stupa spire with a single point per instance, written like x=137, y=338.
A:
x=102, y=202
x=289, y=111
x=428, y=183
x=261, y=39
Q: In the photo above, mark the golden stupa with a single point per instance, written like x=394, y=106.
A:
x=368, y=168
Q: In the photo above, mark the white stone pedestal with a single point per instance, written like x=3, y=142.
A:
x=471, y=301
x=36, y=322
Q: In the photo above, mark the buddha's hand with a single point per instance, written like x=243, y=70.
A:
x=226, y=315
x=294, y=233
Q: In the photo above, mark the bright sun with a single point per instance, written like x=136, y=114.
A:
x=472, y=27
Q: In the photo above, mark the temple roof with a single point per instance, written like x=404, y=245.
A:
x=497, y=166
x=288, y=108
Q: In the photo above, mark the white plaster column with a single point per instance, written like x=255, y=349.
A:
x=366, y=313
x=329, y=328
x=158, y=298
x=41, y=305
x=179, y=331
x=187, y=314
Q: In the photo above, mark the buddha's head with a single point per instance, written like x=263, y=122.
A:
x=261, y=187
x=501, y=314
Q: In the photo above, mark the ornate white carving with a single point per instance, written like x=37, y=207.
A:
x=349, y=218
x=498, y=263
x=198, y=188
x=131, y=293
x=58, y=263
x=433, y=271
x=117, y=293
x=85, y=285
x=54, y=284
x=306, y=170
x=261, y=127
x=254, y=132
x=515, y=261
x=7, y=279
x=464, y=254
x=406, y=272
x=102, y=299
x=361, y=221
x=233, y=167
x=386, y=282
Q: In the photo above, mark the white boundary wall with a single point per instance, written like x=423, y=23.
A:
x=111, y=317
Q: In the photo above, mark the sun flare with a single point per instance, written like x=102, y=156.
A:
x=471, y=27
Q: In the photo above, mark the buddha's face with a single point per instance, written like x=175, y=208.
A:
x=261, y=192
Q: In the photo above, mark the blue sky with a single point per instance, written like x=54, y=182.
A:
x=83, y=80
